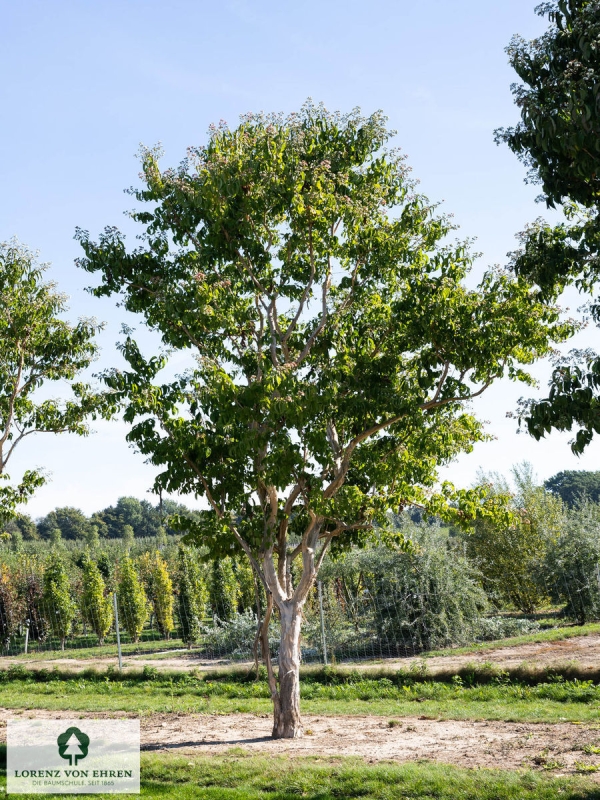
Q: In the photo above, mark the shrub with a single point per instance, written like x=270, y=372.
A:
x=236, y=637
x=492, y=628
x=425, y=598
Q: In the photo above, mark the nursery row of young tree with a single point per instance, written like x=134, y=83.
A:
x=552, y=556
x=447, y=588
x=72, y=595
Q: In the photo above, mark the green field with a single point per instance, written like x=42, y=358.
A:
x=236, y=776
x=325, y=692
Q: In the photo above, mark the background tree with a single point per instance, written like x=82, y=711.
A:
x=144, y=518
x=223, y=589
x=129, y=512
x=336, y=346
x=59, y=607
x=573, y=563
x=573, y=485
x=25, y=525
x=192, y=595
x=132, y=600
x=11, y=607
x=96, y=604
x=98, y=522
x=159, y=589
x=557, y=139
x=511, y=557
x=72, y=523
x=37, y=347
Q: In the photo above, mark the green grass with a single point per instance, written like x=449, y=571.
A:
x=237, y=776
x=330, y=693
x=148, y=647
x=550, y=635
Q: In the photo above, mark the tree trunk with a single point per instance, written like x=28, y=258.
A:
x=287, y=723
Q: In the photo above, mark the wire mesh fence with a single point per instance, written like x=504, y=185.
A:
x=369, y=604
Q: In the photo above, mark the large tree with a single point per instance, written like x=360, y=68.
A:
x=37, y=347
x=573, y=486
x=336, y=347
x=72, y=523
x=558, y=139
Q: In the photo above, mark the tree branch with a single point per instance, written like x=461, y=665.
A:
x=214, y=505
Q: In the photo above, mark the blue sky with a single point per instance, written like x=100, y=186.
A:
x=86, y=82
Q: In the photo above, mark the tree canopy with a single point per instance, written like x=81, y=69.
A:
x=72, y=523
x=558, y=139
x=336, y=347
x=37, y=347
x=573, y=485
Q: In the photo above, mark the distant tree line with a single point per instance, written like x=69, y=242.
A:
x=128, y=518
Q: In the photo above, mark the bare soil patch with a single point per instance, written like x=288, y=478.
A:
x=582, y=650
x=557, y=748
x=585, y=650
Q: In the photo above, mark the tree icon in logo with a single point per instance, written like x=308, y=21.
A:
x=73, y=744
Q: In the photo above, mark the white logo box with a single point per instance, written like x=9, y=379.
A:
x=73, y=756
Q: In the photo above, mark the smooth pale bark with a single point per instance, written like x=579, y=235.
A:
x=285, y=687
x=287, y=723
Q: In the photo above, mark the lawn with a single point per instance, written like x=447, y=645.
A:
x=237, y=776
x=326, y=692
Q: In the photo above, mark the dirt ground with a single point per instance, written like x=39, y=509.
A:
x=585, y=650
x=555, y=748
